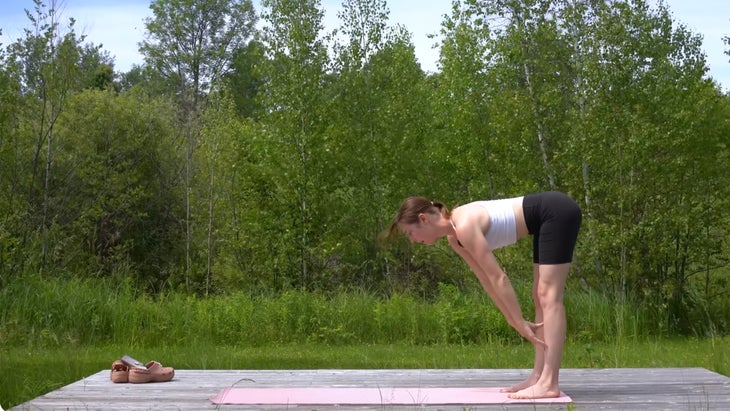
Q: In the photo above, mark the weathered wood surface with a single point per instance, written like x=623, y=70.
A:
x=645, y=389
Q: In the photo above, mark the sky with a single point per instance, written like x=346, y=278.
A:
x=119, y=26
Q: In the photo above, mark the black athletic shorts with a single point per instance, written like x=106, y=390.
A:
x=553, y=219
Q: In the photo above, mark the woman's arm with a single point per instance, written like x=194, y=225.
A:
x=475, y=251
x=482, y=277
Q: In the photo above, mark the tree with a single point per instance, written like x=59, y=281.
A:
x=605, y=90
x=359, y=92
x=296, y=58
x=47, y=64
x=244, y=81
x=12, y=205
x=638, y=81
x=233, y=236
x=96, y=68
x=463, y=92
x=116, y=171
x=190, y=44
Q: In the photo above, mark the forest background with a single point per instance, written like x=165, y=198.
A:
x=255, y=153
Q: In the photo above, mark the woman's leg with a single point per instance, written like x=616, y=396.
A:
x=553, y=219
x=550, y=291
x=539, y=351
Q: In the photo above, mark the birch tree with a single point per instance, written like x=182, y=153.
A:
x=296, y=58
x=191, y=44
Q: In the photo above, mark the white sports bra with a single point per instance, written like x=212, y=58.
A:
x=502, y=222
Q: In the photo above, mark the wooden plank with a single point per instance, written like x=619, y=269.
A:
x=647, y=389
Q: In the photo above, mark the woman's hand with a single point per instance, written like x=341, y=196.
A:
x=528, y=330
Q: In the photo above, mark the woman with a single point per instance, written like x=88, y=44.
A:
x=475, y=229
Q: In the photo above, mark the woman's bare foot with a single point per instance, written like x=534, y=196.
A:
x=534, y=392
x=529, y=382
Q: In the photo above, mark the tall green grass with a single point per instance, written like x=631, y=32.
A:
x=84, y=312
x=52, y=313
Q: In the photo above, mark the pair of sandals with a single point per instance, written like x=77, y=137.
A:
x=130, y=370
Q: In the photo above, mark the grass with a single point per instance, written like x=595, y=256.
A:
x=54, y=332
x=53, y=313
x=27, y=373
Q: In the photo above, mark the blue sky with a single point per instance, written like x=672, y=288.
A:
x=119, y=25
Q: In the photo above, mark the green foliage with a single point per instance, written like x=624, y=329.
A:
x=593, y=99
x=245, y=80
x=283, y=176
x=118, y=164
x=164, y=207
x=10, y=201
x=46, y=313
x=190, y=42
x=379, y=101
x=293, y=137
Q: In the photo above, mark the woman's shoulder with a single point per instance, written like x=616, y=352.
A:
x=477, y=207
x=470, y=213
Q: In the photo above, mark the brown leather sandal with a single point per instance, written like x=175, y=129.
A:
x=120, y=372
x=155, y=372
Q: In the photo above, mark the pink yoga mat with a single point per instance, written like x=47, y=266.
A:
x=389, y=395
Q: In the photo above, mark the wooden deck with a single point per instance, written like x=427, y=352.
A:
x=645, y=389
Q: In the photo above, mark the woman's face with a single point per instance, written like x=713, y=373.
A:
x=421, y=232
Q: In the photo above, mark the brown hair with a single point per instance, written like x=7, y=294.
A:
x=411, y=208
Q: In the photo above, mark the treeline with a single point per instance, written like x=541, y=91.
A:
x=254, y=150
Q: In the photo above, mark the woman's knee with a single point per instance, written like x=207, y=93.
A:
x=548, y=293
